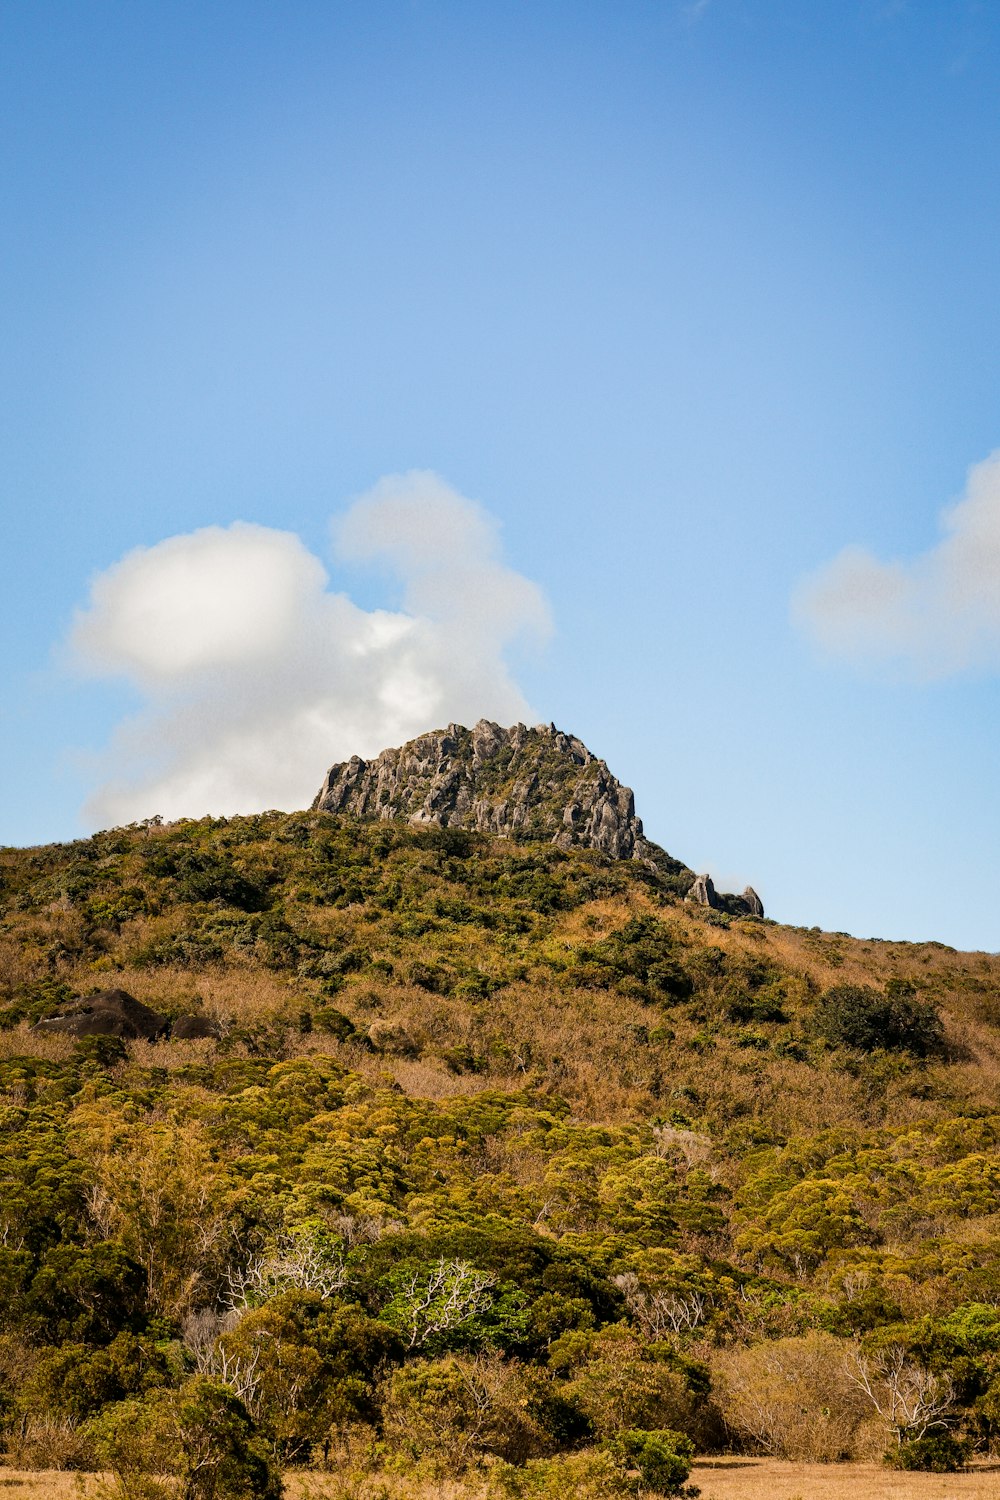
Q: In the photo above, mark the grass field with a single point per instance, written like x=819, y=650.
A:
x=768, y=1479
x=718, y=1478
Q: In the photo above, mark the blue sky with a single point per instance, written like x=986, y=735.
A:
x=688, y=298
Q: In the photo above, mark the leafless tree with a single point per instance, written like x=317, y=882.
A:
x=300, y=1262
x=238, y=1371
x=671, y=1142
x=443, y=1298
x=911, y=1398
x=661, y=1312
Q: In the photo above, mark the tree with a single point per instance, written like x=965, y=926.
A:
x=859, y=1017
x=913, y=1400
x=430, y=1307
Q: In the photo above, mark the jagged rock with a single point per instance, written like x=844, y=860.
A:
x=108, y=1013
x=755, y=905
x=525, y=783
x=703, y=893
x=194, y=1028
x=516, y=783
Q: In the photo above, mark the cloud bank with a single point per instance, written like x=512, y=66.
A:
x=934, y=615
x=255, y=676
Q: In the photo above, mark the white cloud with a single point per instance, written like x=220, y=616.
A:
x=256, y=676
x=934, y=615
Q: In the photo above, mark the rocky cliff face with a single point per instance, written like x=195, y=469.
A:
x=519, y=783
x=524, y=783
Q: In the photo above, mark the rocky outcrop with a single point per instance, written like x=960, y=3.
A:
x=702, y=892
x=520, y=783
x=194, y=1028
x=516, y=783
x=108, y=1013
x=754, y=905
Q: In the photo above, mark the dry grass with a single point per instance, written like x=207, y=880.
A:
x=769, y=1479
x=718, y=1478
x=311, y=1486
x=45, y=1484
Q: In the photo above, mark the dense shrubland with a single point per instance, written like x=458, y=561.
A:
x=505, y=1164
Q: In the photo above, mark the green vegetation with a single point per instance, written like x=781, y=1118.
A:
x=505, y=1163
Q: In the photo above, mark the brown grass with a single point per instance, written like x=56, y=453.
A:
x=45, y=1484
x=719, y=1479
x=769, y=1479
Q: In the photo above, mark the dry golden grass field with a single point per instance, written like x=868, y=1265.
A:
x=769, y=1479
x=729, y=1478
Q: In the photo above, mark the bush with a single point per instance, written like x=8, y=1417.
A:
x=859, y=1017
x=619, y=1385
x=591, y=1475
x=197, y=1443
x=663, y=1459
x=454, y=1410
x=792, y=1398
x=938, y=1453
x=326, y=1018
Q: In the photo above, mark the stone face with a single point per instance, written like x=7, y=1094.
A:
x=755, y=905
x=522, y=783
x=515, y=783
x=108, y=1013
x=702, y=892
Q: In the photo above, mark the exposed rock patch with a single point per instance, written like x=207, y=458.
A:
x=108, y=1013
x=516, y=783
x=194, y=1028
x=755, y=906
x=702, y=892
x=521, y=783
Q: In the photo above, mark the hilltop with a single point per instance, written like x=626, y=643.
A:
x=446, y=1141
x=517, y=783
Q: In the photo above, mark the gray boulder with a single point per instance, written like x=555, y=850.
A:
x=754, y=905
x=702, y=892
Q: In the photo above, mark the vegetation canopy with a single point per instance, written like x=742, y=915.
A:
x=484, y=1159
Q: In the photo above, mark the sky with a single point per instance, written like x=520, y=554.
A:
x=626, y=364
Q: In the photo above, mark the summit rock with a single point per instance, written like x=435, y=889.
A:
x=521, y=783
x=516, y=783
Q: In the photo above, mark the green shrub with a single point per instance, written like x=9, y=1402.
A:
x=591, y=1475
x=861, y=1018
x=663, y=1459
x=938, y=1453
x=326, y=1018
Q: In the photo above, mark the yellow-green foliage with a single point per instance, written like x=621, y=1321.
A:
x=500, y=1153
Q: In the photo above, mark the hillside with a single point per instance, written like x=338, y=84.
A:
x=495, y=1152
x=520, y=783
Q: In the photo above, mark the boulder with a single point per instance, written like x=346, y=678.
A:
x=754, y=905
x=702, y=892
x=194, y=1028
x=108, y=1013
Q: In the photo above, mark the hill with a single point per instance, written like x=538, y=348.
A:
x=494, y=1152
x=519, y=783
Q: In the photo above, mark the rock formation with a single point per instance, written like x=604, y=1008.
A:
x=754, y=904
x=517, y=783
x=190, y=1028
x=702, y=892
x=522, y=783
x=108, y=1013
